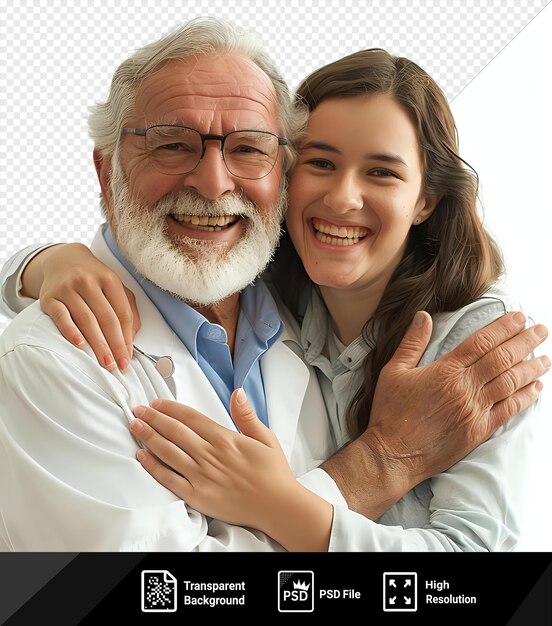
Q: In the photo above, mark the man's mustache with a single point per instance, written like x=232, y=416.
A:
x=191, y=203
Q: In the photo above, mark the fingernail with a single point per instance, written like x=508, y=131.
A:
x=545, y=362
x=123, y=364
x=141, y=455
x=79, y=341
x=418, y=319
x=240, y=396
x=156, y=403
x=139, y=411
x=519, y=318
x=539, y=386
x=540, y=331
x=136, y=426
x=108, y=362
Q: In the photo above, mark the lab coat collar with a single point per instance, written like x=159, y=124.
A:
x=285, y=379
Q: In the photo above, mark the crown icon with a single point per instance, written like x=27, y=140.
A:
x=301, y=585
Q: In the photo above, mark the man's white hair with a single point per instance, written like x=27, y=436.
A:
x=199, y=36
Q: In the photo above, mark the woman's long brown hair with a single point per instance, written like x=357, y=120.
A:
x=450, y=259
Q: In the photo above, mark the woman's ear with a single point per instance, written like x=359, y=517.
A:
x=428, y=204
x=103, y=170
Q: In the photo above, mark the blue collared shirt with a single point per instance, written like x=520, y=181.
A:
x=259, y=326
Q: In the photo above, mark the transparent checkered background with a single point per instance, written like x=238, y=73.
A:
x=58, y=59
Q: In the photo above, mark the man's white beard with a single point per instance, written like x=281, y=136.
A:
x=198, y=271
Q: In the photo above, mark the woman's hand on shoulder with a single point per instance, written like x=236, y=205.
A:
x=88, y=303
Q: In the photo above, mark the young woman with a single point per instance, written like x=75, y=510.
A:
x=382, y=223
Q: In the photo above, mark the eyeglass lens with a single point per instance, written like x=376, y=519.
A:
x=178, y=150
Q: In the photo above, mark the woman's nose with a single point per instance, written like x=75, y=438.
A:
x=345, y=194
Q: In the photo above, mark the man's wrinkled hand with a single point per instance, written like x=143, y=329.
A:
x=425, y=419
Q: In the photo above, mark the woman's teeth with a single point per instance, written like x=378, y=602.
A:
x=338, y=235
x=204, y=222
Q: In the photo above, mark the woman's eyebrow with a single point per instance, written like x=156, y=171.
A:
x=394, y=159
x=320, y=145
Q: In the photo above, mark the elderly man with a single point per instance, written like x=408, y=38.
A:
x=190, y=151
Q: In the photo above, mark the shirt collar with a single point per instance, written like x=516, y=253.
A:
x=256, y=303
x=258, y=307
x=318, y=340
x=315, y=327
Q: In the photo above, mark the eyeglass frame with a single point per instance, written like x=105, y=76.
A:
x=210, y=137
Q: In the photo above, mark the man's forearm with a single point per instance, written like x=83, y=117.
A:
x=369, y=480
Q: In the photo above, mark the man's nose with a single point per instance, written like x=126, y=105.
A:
x=344, y=194
x=211, y=178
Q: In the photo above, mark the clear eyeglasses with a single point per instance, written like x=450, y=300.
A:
x=177, y=150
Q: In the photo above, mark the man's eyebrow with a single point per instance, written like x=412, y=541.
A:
x=172, y=121
x=372, y=156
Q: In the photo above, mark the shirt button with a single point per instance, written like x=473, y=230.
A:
x=214, y=333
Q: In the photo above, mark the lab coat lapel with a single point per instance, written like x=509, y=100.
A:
x=285, y=379
x=155, y=337
x=194, y=389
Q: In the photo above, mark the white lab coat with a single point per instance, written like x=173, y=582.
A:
x=69, y=480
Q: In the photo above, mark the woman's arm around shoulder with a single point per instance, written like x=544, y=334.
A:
x=86, y=300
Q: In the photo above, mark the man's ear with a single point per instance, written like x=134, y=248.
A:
x=103, y=170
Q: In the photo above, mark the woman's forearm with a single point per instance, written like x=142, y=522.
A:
x=33, y=274
x=302, y=522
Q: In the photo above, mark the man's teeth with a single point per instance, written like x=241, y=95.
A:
x=204, y=222
x=338, y=235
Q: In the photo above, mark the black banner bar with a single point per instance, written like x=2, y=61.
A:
x=386, y=588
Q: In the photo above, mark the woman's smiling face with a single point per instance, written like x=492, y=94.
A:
x=356, y=191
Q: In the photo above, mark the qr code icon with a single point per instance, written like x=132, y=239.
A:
x=158, y=591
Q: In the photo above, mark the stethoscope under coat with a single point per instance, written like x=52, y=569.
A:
x=164, y=365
